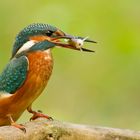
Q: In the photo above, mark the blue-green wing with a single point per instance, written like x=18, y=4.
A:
x=14, y=74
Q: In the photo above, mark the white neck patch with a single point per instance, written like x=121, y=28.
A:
x=26, y=46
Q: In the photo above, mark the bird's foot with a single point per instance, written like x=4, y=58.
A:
x=19, y=126
x=13, y=123
x=40, y=115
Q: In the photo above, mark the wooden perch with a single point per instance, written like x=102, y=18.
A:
x=43, y=129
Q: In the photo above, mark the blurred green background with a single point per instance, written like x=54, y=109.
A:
x=97, y=89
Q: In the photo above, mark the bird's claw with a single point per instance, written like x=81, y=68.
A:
x=40, y=115
x=19, y=126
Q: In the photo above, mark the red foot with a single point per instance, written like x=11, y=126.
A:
x=40, y=115
x=19, y=126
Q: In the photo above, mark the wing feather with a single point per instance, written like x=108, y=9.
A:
x=14, y=75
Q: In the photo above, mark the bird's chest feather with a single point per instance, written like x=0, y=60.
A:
x=40, y=67
x=39, y=71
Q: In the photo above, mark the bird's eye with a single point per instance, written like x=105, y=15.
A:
x=49, y=33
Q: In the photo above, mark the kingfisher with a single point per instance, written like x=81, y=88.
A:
x=29, y=69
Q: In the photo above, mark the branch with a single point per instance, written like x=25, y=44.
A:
x=43, y=129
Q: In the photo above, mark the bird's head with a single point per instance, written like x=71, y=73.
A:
x=46, y=34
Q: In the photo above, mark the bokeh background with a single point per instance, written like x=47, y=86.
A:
x=101, y=88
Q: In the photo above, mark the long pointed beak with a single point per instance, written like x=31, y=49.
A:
x=72, y=42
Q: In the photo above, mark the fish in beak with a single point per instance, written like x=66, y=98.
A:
x=72, y=42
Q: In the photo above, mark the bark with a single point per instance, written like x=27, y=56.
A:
x=42, y=129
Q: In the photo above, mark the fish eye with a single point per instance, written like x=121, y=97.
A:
x=79, y=44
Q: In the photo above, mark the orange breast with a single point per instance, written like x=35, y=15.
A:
x=40, y=69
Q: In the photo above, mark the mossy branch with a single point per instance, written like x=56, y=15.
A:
x=43, y=129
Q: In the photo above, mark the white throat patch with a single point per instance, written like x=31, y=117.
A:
x=26, y=46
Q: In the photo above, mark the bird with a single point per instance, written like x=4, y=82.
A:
x=29, y=69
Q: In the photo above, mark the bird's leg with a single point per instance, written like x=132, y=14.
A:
x=13, y=123
x=37, y=114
